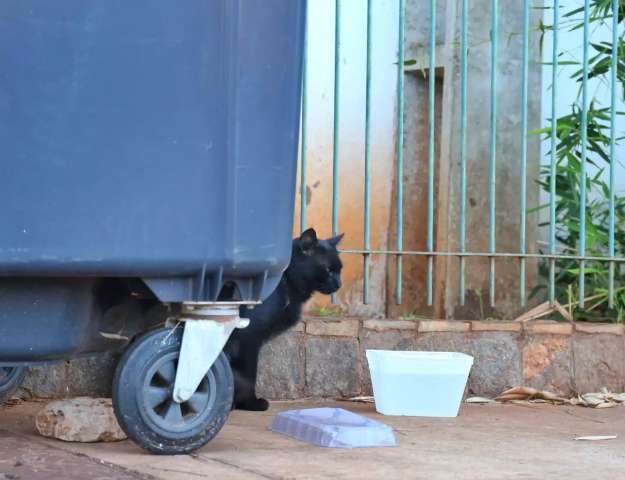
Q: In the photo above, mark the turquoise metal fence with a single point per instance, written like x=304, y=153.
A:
x=492, y=161
x=464, y=51
x=552, y=169
x=582, y=183
x=612, y=184
x=553, y=255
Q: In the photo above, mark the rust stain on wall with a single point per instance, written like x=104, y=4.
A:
x=538, y=356
x=351, y=221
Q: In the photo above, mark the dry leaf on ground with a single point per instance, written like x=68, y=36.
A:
x=479, y=400
x=362, y=399
x=596, y=437
x=528, y=393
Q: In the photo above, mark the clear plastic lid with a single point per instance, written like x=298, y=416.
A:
x=334, y=428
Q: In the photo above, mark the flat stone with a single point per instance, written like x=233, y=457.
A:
x=497, y=357
x=485, y=326
x=444, y=342
x=426, y=326
x=333, y=367
x=335, y=328
x=281, y=367
x=383, y=325
x=383, y=340
x=609, y=328
x=80, y=419
x=549, y=327
x=547, y=363
x=599, y=362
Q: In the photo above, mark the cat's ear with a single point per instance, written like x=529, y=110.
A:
x=334, y=241
x=308, y=241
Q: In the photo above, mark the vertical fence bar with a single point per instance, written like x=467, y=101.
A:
x=464, y=46
x=613, y=85
x=367, y=219
x=303, y=144
x=523, y=162
x=552, y=168
x=399, y=208
x=337, y=112
x=431, y=151
x=492, y=185
x=584, y=140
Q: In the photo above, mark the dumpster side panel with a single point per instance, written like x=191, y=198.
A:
x=265, y=109
x=112, y=135
x=150, y=138
x=44, y=319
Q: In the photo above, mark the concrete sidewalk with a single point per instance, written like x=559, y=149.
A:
x=484, y=442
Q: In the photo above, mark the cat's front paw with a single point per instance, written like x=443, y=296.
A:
x=253, y=405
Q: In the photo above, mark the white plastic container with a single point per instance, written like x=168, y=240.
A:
x=419, y=384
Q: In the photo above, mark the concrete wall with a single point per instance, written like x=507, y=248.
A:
x=325, y=357
x=508, y=158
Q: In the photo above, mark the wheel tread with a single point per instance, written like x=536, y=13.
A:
x=126, y=382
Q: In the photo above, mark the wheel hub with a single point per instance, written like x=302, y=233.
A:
x=159, y=406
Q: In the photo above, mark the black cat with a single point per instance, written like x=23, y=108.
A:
x=315, y=267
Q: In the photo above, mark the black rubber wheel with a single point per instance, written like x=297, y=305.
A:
x=10, y=380
x=143, y=403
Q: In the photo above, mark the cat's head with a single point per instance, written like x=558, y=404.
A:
x=315, y=264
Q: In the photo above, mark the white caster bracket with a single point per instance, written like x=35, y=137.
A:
x=207, y=329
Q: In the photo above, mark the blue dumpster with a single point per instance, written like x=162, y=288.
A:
x=148, y=154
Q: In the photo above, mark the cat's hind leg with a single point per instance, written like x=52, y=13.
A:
x=245, y=372
x=245, y=395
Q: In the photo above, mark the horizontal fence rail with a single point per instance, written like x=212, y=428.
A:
x=553, y=253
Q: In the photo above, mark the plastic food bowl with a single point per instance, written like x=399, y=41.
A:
x=419, y=384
